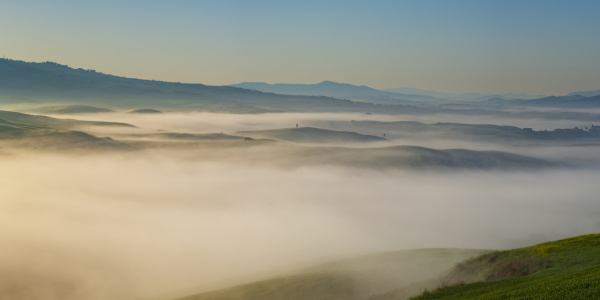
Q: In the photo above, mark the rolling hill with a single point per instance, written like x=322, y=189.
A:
x=70, y=109
x=288, y=155
x=24, y=131
x=145, y=111
x=23, y=136
x=22, y=128
x=54, y=123
x=311, y=135
x=413, y=157
x=476, y=132
x=61, y=140
x=564, y=269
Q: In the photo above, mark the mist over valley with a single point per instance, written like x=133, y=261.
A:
x=281, y=150
x=125, y=191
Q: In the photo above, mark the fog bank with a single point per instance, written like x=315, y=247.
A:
x=154, y=226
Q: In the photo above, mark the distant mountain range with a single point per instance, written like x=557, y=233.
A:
x=398, y=96
x=418, y=97
x=51, y=83
x=570, y=101
x=341, y=91
x=48, y=82
x=464, y=96
x=586, y=93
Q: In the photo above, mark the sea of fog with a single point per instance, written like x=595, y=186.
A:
x=151, y=225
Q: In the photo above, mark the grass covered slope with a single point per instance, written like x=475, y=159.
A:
x=564, y=269
x=357, y=278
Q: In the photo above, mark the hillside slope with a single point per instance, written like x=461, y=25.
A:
x=564, y=269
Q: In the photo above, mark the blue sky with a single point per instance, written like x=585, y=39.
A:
x=541, y=47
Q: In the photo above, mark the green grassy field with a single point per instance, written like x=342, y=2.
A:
x=564, y=269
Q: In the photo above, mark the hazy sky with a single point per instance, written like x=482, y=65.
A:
x=542, y=47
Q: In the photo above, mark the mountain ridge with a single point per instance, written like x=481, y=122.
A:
x=338, y=90
x=52, y=82
x=568, y=101
x=463, y=96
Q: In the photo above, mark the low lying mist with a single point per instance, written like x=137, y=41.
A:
x=164, y=222
x=154, y=226
x=204, y=122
